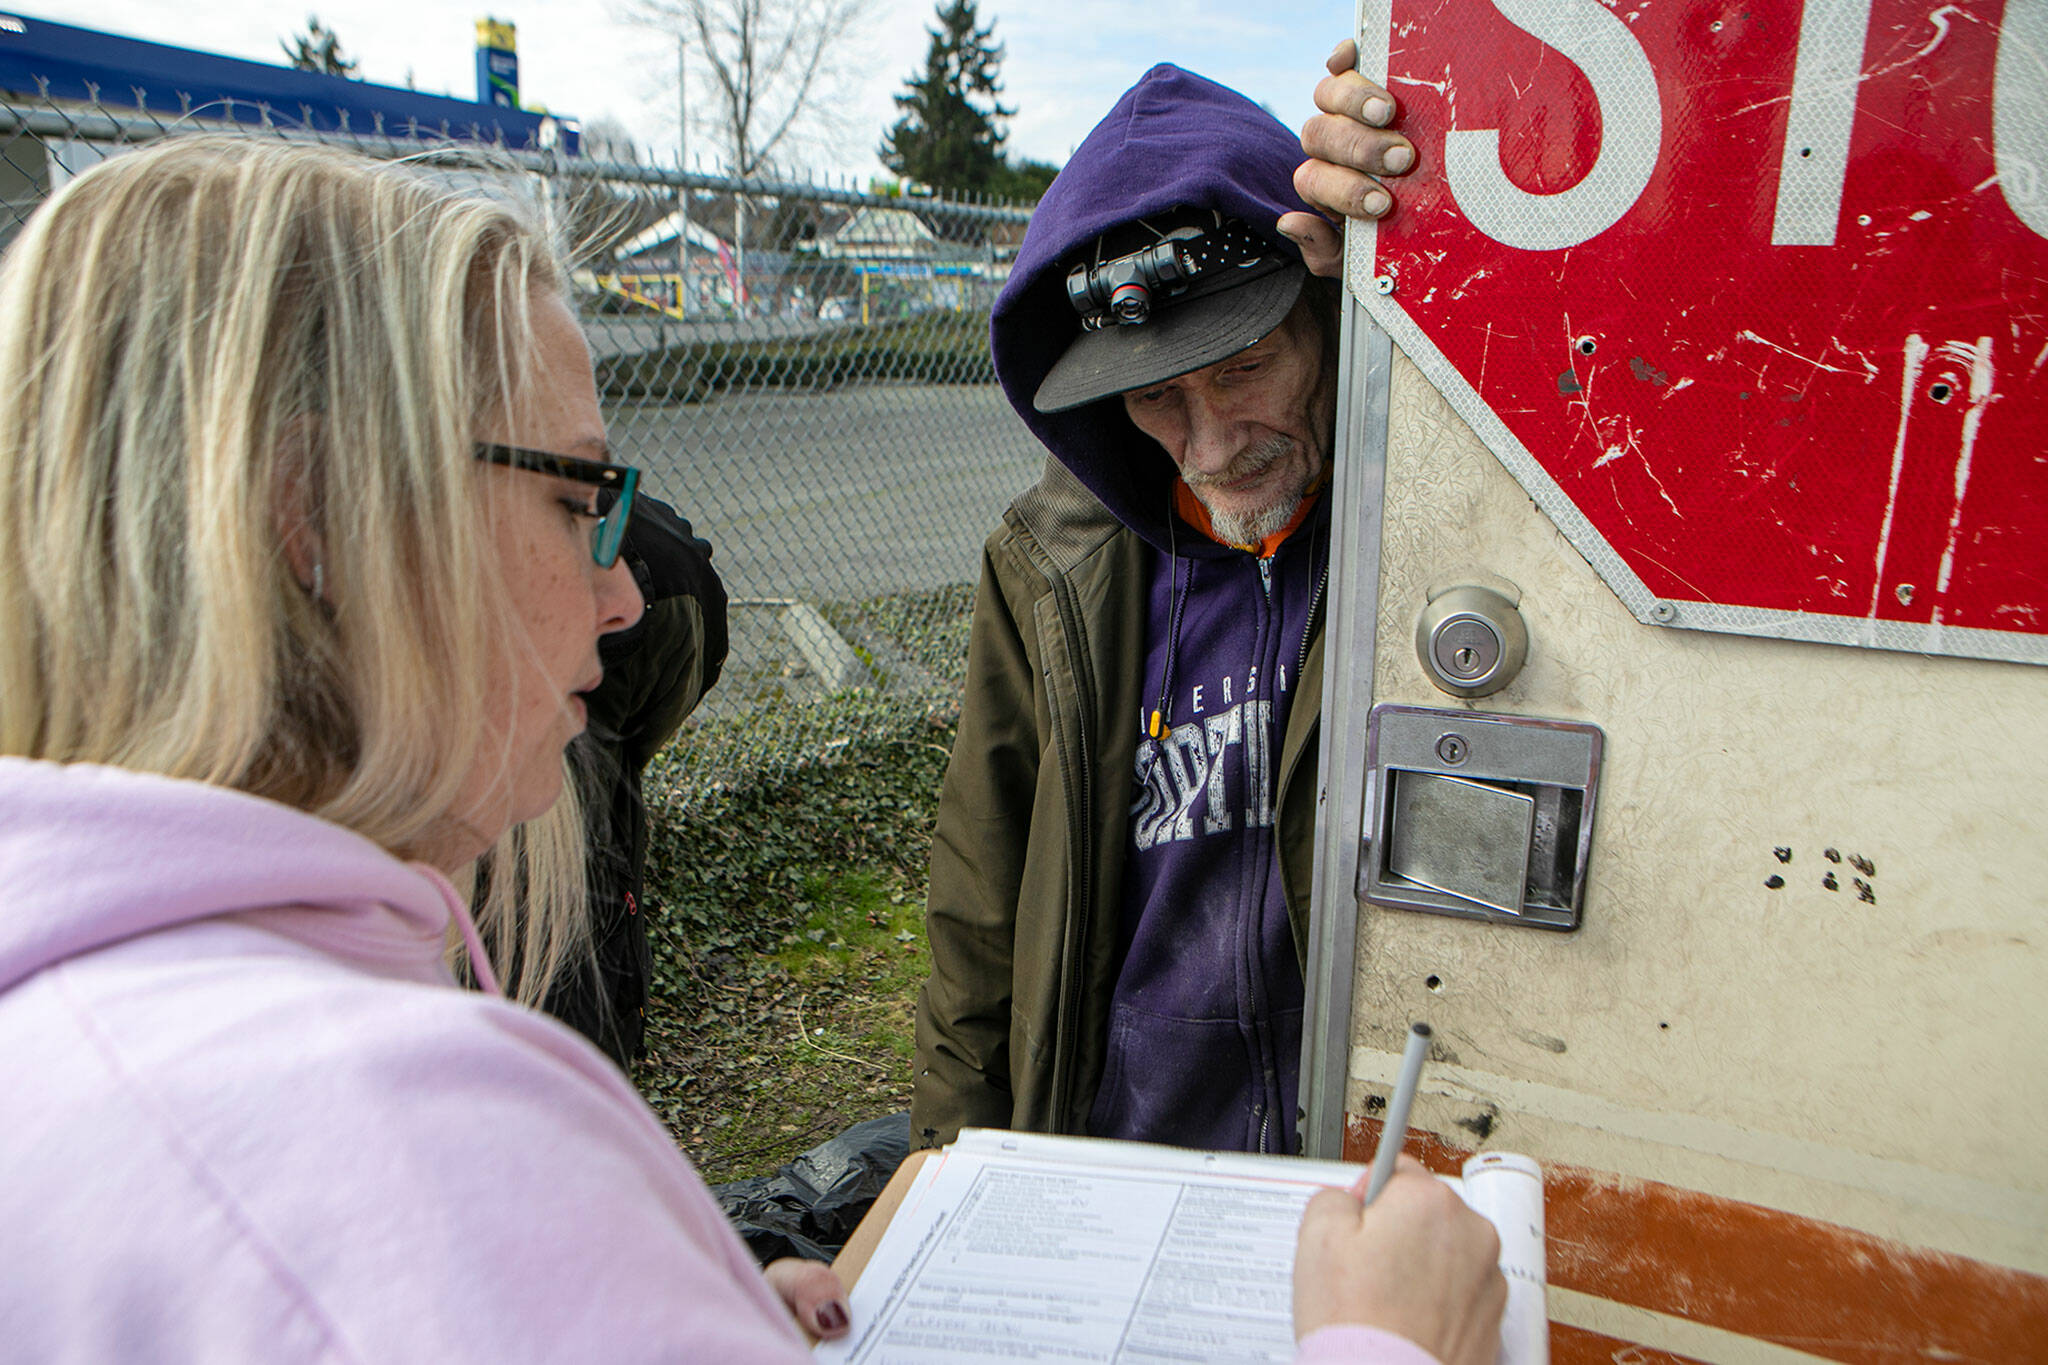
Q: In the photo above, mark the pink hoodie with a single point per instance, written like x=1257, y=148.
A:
x=246, y=1115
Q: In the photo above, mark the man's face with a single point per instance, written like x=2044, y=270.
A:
x=1250, y=433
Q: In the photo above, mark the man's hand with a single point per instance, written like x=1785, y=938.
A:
x=1417, y=1263
x=1352, y=152
x=813, y=1295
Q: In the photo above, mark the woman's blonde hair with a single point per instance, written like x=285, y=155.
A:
x=202, y=343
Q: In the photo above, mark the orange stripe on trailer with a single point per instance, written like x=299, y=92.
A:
x=1764, y=1273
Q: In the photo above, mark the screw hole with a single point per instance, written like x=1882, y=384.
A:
x=1939, y=392
x=1587, y=345
x=1806, y=151
x=1433, y=981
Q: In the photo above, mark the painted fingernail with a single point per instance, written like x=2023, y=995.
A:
x=1398, y=159
x=832, y=1316
x=1378, y=111
x=1377, y=203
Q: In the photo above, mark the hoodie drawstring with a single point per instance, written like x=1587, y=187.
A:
x=472, y=942
x=1162, y=714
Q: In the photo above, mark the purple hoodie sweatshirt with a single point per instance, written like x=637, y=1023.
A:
x=1205, y=1023
x=246, y=1115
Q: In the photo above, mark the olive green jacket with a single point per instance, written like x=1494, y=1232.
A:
x=1027, y=859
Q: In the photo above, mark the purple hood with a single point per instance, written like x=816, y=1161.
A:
x=1174, y=139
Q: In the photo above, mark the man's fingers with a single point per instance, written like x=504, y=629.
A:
x=1341, y=192
x=1322, y=245
x=1350, y=95
x=1342, y=139
x=1342, y=58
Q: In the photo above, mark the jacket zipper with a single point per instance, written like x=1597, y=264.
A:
x=1315, y=604
x=1308, y=636
x=1079, y=781
x=1308, y=632
x=1265, y=1137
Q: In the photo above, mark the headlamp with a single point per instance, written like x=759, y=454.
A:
x=1125, y=290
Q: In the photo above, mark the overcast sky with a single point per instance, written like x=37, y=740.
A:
x=1065, y=61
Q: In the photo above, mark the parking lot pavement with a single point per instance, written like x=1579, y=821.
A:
x=840, y=496
x=835, y=496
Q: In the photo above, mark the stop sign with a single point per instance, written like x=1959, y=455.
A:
x=1752, y=297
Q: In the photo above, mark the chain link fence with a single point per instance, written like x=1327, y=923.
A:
x=802, y=371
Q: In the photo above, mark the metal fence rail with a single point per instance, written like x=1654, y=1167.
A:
x=802, y=370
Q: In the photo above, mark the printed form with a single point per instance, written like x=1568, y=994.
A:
x=1015, y=1247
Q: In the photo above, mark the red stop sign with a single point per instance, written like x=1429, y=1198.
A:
x=1753, y=297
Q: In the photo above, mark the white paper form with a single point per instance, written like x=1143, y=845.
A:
x=1508, y=1190
x=1022, y=1260
x=1026, y=1248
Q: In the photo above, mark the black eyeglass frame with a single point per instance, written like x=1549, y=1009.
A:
x=615, y=483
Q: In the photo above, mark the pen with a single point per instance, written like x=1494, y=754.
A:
x=1394, y=1132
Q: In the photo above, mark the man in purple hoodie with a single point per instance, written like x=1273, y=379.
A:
x=1120, y=874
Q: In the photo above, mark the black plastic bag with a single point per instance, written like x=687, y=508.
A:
x=810, y=1206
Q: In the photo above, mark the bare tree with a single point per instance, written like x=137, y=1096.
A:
x=769, y=60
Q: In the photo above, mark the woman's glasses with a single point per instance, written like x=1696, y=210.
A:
x=615, y=485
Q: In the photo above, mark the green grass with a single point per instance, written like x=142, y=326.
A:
x=787, y=923
x=785, y=886
x=863, y=944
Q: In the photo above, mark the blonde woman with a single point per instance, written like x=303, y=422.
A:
x=307, y=544
x=307, y=540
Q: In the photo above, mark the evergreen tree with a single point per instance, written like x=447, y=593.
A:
x=1025, y=181
x=950, y=136
x=318, y=49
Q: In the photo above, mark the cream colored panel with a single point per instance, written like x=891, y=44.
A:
x=1906, y=1034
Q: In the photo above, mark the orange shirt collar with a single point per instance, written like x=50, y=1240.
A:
x=1196, y=515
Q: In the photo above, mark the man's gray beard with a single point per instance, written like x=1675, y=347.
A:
x=1250, y=530
x=1239, y=528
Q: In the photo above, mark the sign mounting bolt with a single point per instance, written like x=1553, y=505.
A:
x=1384, y=284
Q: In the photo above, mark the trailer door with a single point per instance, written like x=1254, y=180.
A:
x=1685, y=727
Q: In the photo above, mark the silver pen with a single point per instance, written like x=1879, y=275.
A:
x=1394, y=1132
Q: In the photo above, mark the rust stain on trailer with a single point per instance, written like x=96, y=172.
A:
x=1758, y=1272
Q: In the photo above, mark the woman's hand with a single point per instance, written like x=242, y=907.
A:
x=1352, y=152
x=1417, y=1263
x=813, y=1295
